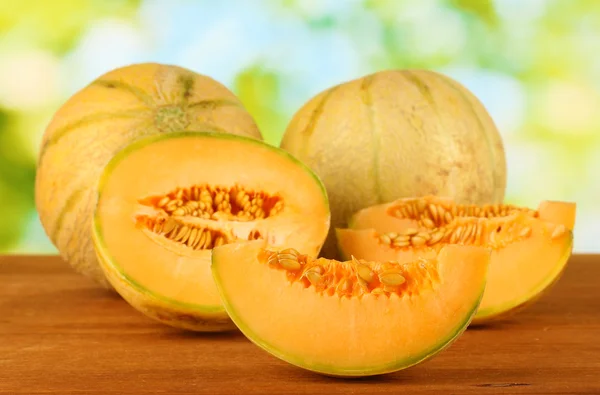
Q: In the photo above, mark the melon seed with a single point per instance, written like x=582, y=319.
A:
x=186, y=236
x=385, y=239
x=391, y=278
x=288, y=264
x=314, y=277
x=453, y=237
x=448, y=217
x=417, y=241
x=316, y=269
x=182, y=232
x=179, y=194
x=470, y=231
x=162, y=202
x=428, y=223
x=344, y=285
x=365, y=273
x=479, y=233
x=441, y=213
x=410, y=232
x=197, y=237
x=401, y=242
x=558, y=231
x=526, y=231
x=202, y=239
x=433, y=211
x=493, y=237
x=436, y=237
x=456, y=236
x=287, y=256
x=424, y=235
x=272, y=259
x=192, y=237
x=410, y=211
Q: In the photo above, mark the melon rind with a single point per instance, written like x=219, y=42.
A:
x=504, y=311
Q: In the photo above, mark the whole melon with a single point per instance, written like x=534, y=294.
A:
x=111, y=112
x=395, y=134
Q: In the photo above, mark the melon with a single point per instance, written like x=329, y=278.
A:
x=352, y=318
x=115, y=109
x=396, y=134
x=530, y=248
x=165, y=201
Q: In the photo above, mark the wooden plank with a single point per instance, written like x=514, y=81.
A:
x=60, y=334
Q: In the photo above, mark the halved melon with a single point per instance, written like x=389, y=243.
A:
x=530, y=248
x=165, y=201
x=354, y=318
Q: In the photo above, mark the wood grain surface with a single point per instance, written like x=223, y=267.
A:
x=60, y=334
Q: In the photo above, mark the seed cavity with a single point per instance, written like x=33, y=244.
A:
x=558, y=232
x=314, y=277
x=436, y=214
x=392, y=278
x=190, y=235
x=468, y=231
x=289, y=264
x=217, y=203
x=355, y=277
x=177, y=214
x=365, y=273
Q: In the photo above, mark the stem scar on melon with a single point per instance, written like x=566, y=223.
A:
x=352, y=318
x=166, y=201
x=530, y=248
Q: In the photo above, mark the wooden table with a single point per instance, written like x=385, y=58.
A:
x=59, y=334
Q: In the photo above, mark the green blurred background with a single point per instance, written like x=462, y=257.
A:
x=535, y=64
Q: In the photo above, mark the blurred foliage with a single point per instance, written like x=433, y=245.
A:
x=258, y=88
x=534, y=63
x=16, y=184
x=482, y=9
x=56, y=25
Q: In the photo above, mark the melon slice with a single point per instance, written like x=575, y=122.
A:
x=165, y=201
x=354, y=318
x=530, y=248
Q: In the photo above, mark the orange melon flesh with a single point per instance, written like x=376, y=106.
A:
x=172, y=282
x=379, y=216
x=519, y=272
x=348, y=336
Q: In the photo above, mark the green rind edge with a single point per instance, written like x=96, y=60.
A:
x=489, y=314
x=494, y=313
x=332, y=370
x=106, y=263
x=98, y=240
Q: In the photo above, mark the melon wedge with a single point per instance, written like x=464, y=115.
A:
x=530, y=248
x=353, y=318
x=165, y=201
